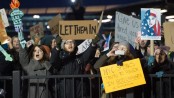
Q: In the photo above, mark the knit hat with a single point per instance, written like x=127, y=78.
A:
x=163, y=48
x=125, y=43
x=63, y=44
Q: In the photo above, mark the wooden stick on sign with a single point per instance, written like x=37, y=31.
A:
x=151, y=47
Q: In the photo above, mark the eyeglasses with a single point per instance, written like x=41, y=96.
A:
x=69, y=42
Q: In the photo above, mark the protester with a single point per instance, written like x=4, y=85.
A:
x=36, y=63
x=67, y=62
x=113, y=58
x=161, y=65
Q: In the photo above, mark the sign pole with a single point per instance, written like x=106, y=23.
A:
x=151, y=47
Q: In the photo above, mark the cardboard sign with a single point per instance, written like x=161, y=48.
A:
x=126, y=28
x=3, y=33
x=78, y=30
x=54, y=24
x=37, y=31
x=150, y=24
x=117, y=78
x=169, y=34
x=4, y=17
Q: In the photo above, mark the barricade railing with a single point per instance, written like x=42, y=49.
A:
x=162, y=87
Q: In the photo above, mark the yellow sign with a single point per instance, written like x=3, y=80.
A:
x=3, y=32
x=117, y=78
x=79, y=29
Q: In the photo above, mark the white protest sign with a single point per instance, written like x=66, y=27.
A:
x=83, y=46
x=126, y=28
x=4, y=17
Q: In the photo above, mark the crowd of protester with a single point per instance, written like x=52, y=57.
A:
x=54, y=56
x=58, y=57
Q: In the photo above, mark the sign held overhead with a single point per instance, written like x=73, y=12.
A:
x=78, y=30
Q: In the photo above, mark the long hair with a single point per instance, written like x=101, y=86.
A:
x=45, y=55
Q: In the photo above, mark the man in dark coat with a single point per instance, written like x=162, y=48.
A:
x=66, y=62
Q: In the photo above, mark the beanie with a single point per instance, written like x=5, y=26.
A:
x=125, y=43
x=62, y=44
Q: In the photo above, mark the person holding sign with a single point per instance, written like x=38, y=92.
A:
x=9, y=61
x=66, y=62
x=141, y=46
x=119, y=53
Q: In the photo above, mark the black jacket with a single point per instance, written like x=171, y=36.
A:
x=70, y=64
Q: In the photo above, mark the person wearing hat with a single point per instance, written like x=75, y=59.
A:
x=118, y=53
x=161, y=65
x=66, y=62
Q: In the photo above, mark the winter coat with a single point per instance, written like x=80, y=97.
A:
x=35, y=68
x=104, y=61
x=71, y=64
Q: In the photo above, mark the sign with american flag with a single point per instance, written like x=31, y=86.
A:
x=150, y=24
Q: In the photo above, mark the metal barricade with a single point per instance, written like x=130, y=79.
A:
x=155, y=88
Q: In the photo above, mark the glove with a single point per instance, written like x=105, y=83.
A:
x=120, y=63
x=58, y=40
x=95, y=40
x=159, y=74
x=151, y=59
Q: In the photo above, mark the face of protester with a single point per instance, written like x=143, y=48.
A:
x=115, y=46
x=37, y=53
x=122, y=48
x=53, y=43
x=69, y=46
x=160, y=56
x=15, y=43
x=152, y=21
x=143, y=43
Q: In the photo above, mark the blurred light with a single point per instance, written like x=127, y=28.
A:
x=48, y=27
x=133, y=13
x=73, y=1
x=109, y=16
x=163, y=11
x=169, y=17
x=171, y=20
x=95, y=19
x=36, y=16
x=46, y=23
x=106, y=20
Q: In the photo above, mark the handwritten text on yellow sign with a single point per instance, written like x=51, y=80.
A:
x=122, y=77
